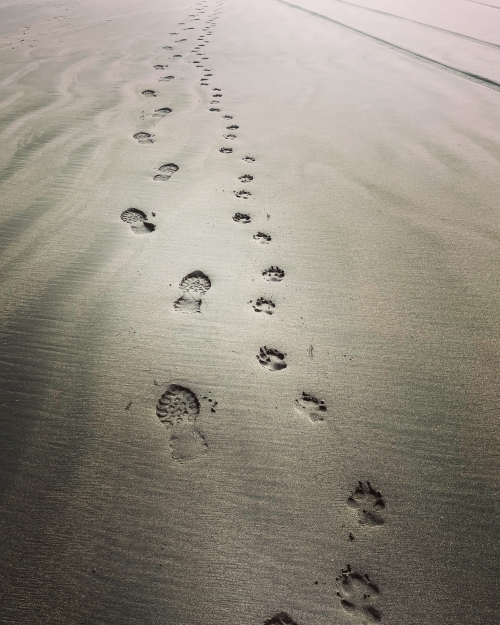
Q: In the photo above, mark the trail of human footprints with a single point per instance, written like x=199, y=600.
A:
x=178, y=407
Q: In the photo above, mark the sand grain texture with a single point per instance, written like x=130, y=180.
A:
x=160, y=467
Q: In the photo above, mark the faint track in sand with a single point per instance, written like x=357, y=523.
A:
x=481, y=80
x=407, y=19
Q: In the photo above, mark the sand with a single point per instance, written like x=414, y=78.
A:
x=236, y=401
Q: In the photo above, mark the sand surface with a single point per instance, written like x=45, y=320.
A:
x=154, y=470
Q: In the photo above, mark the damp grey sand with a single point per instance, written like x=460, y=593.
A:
x=249, y=312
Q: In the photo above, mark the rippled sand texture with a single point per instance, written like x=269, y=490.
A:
x=250, y=360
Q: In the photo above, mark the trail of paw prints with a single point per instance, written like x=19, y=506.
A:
x=138, y=221
x=359, y=595
x=193, y=287
x=178, y=408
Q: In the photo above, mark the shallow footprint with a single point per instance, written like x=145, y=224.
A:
x=260, y=237
x=194, y=286
x=271, y=359
x=358, y=593
x=230, y=136
x=160, y=66
x=264, y=305
x=232, y=127
x=368, y=502
x=166, y=78
x=216, y=111
x=246, y=178
x=179, y=408
x=166, y=171
x=243, y=194
x=143, y=137
x=224, y=150
x=273, y=274
x=310, y=407
x=137, y=220
x=248, y=159
x=162, y=112
x=149, y=93
x=227, y=117
x=242, y=218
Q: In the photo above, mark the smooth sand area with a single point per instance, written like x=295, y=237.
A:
x=268, y=393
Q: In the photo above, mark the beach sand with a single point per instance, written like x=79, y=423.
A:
x=273, y=406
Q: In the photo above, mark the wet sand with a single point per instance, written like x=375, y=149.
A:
x=173, y=453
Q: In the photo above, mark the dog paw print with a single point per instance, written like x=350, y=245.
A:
x=358, y=594
x=369, y=504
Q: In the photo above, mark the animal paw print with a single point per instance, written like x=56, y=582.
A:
x=264, y=305
x=368, y=502
x=310, y=407
x=271, y=359
x=242, y=218
x=246, y=178
x=260, y=237
x=358, y=594
x=273, y=274
x=243, y=194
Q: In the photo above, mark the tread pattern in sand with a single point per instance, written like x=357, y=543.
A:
x=137, y=220
x=194, y=286
x=179, y=408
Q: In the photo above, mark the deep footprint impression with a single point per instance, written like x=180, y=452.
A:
x=137, y=220
x=179, y=408
x=194, y=286
x=357, y=594
x=271, y=359
x=166, y=171
x=243, y=194
x=310, y=407
x=264, y=305
x=273, y=274
x=368, y=502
